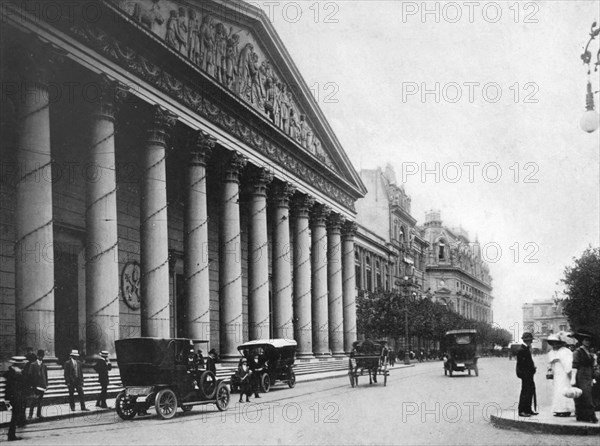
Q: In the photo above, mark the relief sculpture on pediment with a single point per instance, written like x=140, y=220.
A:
x=229, y=54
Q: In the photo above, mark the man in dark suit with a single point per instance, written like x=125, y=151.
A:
x=38, y=380
x=74, y=379
x=256, y=369
x=15, y=393
x=525, y=371
x=102, y=367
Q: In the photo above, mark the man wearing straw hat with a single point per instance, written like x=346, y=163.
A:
x=102, y=367
x=16, y=386
x=74, y=379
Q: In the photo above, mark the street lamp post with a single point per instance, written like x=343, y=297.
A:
x=589, y=121
x=405, y=288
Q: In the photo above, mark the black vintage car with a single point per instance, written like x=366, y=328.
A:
x=163, y=373
x=276, y=360
x=462, y=352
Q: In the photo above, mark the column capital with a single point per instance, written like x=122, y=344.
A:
x=319, y=214
x=111, y=93
x=334, y=222
x=201, y=146
x=232, y=166
x=349, y=228
x=37, y=61
x=259, y=178
x=161, y=123
x=282, y=192
x=302, y=204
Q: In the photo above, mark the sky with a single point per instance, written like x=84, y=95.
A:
x=476, y=105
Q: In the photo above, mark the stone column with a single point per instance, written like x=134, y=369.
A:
x=318, y=254
x=154, y=242
x=302, y=276
x=258, y=256
x=34, y=258
x=101, y=248
x=196, y=263
x=349, y=284
x=282, y=269
x=230, y=259
x=334, y=285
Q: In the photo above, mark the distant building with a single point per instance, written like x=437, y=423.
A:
x=455, y=272
x=544, y=317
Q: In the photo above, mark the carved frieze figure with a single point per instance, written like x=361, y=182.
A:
x=231, y=58
x=194, y=37
x=303, y=129
x=309, y=140
x=150, y=18
x=207, y=44
x=269, y=103
x=257, y=82
x=284, y=108
x=318, y=149
x=220, y=52
x=294, y=124
x=244, y=67
x=176, y=35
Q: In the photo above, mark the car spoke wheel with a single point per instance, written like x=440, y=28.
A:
x=223, y=397
x=125, y=406
x=292, y=380
x=265, y=383
x=208, y=385
x=166, y=404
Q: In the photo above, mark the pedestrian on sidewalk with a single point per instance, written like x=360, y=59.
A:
x=243, y=377
x=74, y=379
x=583, y=376
x=16, y=389
x=525, y=372
x=38, y=380
x=560, y=360
x=102, y=367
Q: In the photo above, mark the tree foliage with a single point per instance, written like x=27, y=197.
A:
x=582, y=282
x=382, y=314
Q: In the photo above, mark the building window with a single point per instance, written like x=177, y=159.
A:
x=378, y=274
x=387, y=278
x=369, y=274
x=357, y=271
x=441, y=250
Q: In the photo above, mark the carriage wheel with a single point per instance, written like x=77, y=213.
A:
x=292, y=379
x=166, y=404
x=223, y=397
x=265, y=383
x=125, y=406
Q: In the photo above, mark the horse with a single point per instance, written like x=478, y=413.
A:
x=367, y=355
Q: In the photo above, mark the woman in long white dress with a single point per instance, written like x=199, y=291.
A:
x=560, y=359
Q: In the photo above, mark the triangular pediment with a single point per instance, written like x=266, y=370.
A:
x=236, y=45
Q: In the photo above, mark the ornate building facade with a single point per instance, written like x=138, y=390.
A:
x=544, y=317
x=390, y=250
x=455, y=272
x=167, y=172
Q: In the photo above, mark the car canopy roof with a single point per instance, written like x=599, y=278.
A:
x=277, y=343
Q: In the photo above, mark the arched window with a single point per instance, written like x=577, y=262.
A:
x=369, y=273
x=378, y=274
x=442, y=249
x=357, y=270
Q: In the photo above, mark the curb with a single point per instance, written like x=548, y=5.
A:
x=535, y=426
x=94, y=411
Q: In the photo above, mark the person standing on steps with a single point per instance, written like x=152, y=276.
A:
x=74, y=379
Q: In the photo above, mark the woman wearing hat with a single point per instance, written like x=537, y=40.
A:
x=560, y=360
x=243, y=377
x=582, y=377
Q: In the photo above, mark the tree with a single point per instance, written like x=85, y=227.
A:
x=582, y=281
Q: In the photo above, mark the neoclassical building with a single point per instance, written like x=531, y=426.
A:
x=389, y=244
x=167, y=172
x=456, y=274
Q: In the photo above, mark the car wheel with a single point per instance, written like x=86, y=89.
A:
x=166, y=404
x=223, y=397
x=208, y=385
x=265, y=383
x=292, y=379
x=125, y=406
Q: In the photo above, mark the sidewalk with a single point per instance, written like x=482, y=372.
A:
x=544, y=423
x=55, y=412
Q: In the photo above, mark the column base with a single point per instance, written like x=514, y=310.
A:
x=230, y=359
x=322, y=355
x=339, y=354
x=305, y=355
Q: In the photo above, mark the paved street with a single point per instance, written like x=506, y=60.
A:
x=419, y=406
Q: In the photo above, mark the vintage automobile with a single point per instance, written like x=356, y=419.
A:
x=462, y=351
x=161, y=373
x=276, y=358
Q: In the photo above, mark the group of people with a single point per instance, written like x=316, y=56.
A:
x=573, y=374
x=27, y=382
x=248, y=376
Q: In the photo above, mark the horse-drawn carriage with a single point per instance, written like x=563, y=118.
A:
x=372, y=356
x=161, y=373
